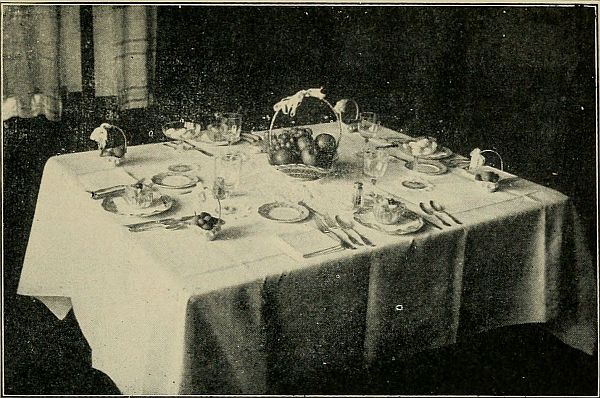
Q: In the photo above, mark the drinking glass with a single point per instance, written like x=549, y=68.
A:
x=368, y=126
x=230, y=126
x=375, y=164
x=228, y=168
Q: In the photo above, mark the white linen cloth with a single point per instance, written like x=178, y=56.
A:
x=154, y=306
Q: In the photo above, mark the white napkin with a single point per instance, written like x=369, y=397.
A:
x=105, y=179
x=297, y=245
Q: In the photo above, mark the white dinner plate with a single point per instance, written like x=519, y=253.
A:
x=174, y=180
x=283, y=212
x=440, y=153
x=118, y=205
x=204, y=139
x=425, y=166
x=181, y=168
x=408, y=224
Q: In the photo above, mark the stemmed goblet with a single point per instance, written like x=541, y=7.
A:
x=368, y=125
x=227, y=176
x=231, y=127
x=375, y=164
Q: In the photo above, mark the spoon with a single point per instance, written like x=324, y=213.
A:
x=432, y=213
x=350, y=225
x=438, y=207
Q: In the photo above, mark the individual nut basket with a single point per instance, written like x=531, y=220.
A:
x=294, y=151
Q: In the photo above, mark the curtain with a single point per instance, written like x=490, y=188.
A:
x=125, y=54
x=41, y=59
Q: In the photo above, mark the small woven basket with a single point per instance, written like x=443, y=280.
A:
x=299, y=170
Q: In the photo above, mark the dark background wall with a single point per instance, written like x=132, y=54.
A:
x=520, y=80
x=516, y=79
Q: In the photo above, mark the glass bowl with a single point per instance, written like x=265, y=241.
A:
x=139, y=196
x=388, y=211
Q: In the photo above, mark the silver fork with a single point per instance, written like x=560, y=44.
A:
x=324, y=229
x=330, y=226
x=167, y=225
x=432, y=213
x=335, y=226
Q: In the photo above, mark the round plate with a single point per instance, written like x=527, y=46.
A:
x=409, y=224
x=174, y=180
x=303, y=171
x=118, y=205
x=205, y=140
x=416, y=184
x=283, y=212
x=431, y=167
x=441, y=153
x=180, y=168
x=181, y=130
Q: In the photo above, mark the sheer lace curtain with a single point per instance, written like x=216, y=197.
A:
x=42, y=57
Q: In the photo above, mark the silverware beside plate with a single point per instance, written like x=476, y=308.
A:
x=117, y=190
x=349, y=225
x=329, y=250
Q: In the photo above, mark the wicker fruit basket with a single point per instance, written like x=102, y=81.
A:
x=295, y=151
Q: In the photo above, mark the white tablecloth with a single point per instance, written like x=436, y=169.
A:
x=168, y=312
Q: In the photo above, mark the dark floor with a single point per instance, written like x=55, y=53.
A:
x=51, y=357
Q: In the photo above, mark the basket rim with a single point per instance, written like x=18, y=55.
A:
x=331, y=107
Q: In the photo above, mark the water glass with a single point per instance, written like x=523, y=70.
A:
x=228, y=168
x=375, y=164
x=368, y=125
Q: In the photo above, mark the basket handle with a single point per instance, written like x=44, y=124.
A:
x=497, y=154
x=288, y=105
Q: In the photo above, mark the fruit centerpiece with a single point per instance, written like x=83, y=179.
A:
x=296, y=151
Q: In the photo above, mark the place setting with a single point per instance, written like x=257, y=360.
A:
x=138, y=200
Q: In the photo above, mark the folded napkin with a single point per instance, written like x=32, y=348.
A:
x=306, y=244
x=106, y=182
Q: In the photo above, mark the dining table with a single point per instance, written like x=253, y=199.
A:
x=167, y=311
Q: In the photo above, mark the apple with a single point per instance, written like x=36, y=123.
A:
x=283, y=156
x=325, y=143
x=304, y=142
x=309, y=157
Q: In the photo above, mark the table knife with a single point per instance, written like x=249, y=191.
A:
x=109, y=191
x=161, y=221
x=198, y=149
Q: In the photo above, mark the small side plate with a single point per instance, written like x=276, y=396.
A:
x=416, y=184
x=430, y=167
x=181, y=168
x=284, y=212
x=174, y=180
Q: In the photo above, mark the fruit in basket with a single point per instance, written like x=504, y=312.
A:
x=283, y=156
x=304, y=142
x=325, y=143
x=309, y=156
